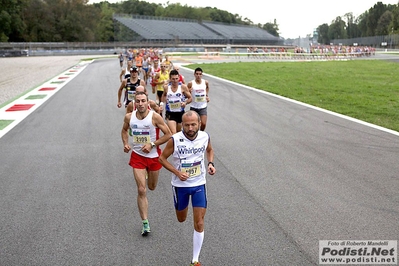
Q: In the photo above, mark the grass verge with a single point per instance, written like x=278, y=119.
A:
x=364, y=89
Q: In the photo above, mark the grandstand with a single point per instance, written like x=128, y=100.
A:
x=184, y=31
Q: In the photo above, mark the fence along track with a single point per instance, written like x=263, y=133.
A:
x=286, y=56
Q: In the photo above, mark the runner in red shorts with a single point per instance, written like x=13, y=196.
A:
x=145, y=125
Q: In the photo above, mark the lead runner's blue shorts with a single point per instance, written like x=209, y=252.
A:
x=181, y=197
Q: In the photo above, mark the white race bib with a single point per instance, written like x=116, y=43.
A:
x=130, y=95
x=175, y=106
x=192, y=168
x=141, y=137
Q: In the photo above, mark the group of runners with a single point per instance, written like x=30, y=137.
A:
x=187, y=144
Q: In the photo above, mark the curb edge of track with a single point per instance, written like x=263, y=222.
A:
x=17, y=110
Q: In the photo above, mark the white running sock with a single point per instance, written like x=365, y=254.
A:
x=198, y=238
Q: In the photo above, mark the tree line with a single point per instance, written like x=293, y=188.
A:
x=381, y=19
x=78, y=21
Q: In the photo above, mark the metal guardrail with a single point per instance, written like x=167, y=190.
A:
x=96, y=48
x=13, y=53
x=114, y=45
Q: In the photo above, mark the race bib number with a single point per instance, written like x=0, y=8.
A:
x=130, y=95
x=200, y=98
x=141, y=137
x=175, y=106
x=192, y=168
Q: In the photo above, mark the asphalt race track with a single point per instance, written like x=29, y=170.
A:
x=287, y=176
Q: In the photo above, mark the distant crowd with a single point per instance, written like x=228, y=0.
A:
x=343, y=49
x=320, y=49
x=154, y=54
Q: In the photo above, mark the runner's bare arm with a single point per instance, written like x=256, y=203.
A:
x=154, y=106
x=130, y=107
x=122, y=74
x=187, y=93
x=190, y=86
x=125, y=134
x=165, y=92
x=209, y=157
x=121, y=87
x=158, y=121
x=207, y=90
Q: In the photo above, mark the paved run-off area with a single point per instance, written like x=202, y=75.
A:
x=21, y=74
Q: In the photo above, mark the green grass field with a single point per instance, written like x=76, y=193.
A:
x=364, y=89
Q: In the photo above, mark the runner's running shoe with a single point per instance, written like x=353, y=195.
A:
x=195, y=263
x=146, y=229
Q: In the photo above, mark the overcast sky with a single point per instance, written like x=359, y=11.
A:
x=294, y=18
